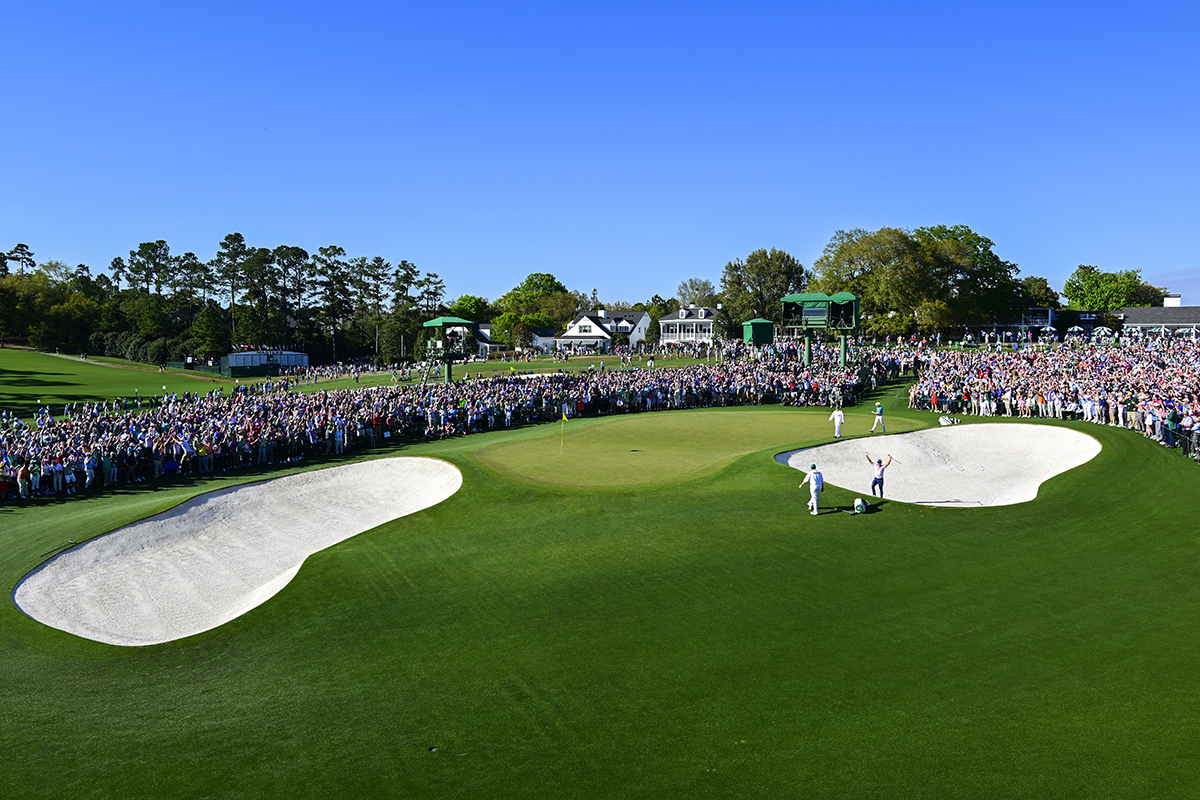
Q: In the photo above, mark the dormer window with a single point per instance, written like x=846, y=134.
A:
x=683, y=313
x=700, y=313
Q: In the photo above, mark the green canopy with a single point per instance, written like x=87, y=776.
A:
x=811, y=297
x=453, y=349
x=449, y=322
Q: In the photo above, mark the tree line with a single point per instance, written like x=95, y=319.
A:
x=156, y=306
x=926, y=280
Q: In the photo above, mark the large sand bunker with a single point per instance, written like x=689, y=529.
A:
x=959, y=465
x=216, y=556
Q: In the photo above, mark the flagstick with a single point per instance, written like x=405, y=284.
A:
x=562, y=433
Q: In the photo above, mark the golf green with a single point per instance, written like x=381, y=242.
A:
x=655, y=449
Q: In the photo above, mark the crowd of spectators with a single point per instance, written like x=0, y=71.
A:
x=1151, y=387
x=312, y=374
x=122, y=443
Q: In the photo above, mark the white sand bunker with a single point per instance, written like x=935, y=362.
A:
x=216, y=556
x=960, y=465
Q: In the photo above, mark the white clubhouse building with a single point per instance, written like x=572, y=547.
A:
x=599, y=328
x=688, y=325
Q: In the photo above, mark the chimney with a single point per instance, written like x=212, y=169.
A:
x=603, y=313
x=691, y=305
x=1172, y=301
x=719, y=306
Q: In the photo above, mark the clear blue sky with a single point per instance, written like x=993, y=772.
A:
x=621, y=146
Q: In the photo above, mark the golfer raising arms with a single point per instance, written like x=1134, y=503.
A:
x=879, y=468
x=816, y=482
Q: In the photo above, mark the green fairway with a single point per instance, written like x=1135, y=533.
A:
x=662, y=623
x=28, y=378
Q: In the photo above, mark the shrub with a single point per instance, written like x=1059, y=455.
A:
x=128, y=345
x=157, y=351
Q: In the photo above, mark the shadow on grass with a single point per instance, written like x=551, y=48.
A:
x=28, y=377
x=32, y=382
x=872, y=508
x=6, y=371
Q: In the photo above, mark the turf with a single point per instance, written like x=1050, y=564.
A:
x=28, y=377
x=655, y=449
x=697, y=637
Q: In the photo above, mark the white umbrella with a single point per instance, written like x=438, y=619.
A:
x=1049, y=329
x=1102, y=330
x=1074, y=329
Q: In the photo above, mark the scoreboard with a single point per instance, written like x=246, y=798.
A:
x=811, y=310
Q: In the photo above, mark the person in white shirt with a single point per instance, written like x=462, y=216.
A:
x=816, y=482
x=879, y=467
x=837, y=418
x=1186, y=426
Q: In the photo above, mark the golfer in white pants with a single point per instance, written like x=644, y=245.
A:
x=878, y=419
x=816, y=482
x=837, y=418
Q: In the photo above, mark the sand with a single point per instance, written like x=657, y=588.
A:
x=985, y=464
x=216, y=556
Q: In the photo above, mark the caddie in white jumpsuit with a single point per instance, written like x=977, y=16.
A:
x=816, y=482
x=837, y=418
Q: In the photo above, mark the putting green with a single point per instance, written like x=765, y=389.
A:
x=655, y=449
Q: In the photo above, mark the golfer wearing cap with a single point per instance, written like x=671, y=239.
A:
x=878, y=418
x=816, y=482
x=879, y=468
